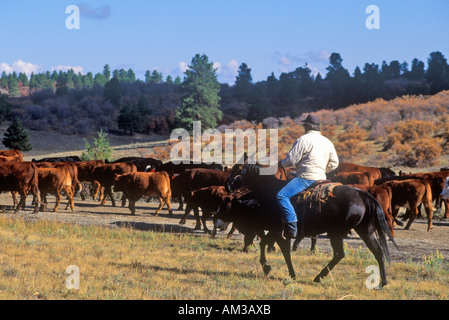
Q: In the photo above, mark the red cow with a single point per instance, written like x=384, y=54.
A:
x=411, y=193
x=194, y=179
x=137, y=184
x=361, y=178
x=85, y=170
x=351, y=167
x=383, y=195
x=104, y=174
x=21, y=177
x=53, y=181
x=12, y=153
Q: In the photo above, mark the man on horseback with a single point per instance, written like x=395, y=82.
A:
x=313, y=155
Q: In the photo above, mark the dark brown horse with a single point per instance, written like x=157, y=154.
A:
x=351, y=208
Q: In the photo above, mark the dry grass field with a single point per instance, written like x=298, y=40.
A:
x=124, y=257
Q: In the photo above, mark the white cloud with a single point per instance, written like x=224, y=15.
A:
x=227, y=73
x=182, y=66
x=76, y=69
x=20, y=66
x=316, y=60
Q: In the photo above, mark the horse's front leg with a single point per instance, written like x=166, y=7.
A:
x=263, y=260
x=284, y=244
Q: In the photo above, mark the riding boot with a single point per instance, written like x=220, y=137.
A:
x=290, y=230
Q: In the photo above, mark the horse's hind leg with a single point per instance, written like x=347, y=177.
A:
x=298, y=241
x=339, y=253
x=373, y=245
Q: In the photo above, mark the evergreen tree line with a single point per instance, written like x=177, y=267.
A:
x=112, y=101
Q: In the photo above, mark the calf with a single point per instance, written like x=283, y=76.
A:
x=410, y=193
x=137, y=184
x=208, y=199
x=104, y=174
x=194, y=179
x=53, y=181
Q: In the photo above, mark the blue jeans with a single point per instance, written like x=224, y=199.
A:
x=292, y=188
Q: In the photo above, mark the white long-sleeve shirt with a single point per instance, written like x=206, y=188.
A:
x=313, y=155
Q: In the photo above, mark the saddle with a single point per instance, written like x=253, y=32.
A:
x=317, y=194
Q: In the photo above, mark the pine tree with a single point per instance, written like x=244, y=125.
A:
x=16, y=137
x=201, y=101
x=101, y=150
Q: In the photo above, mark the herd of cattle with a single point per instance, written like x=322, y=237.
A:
x=200, y=186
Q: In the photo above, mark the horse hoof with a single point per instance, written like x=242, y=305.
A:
x=267, y=269
x=182, y=222
x=317, y=279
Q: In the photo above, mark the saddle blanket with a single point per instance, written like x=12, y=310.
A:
x=317, y=194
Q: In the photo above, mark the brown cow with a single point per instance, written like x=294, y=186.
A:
x=436, y=181
x=21, y=177
x=53, y=180
x=70, y=167
x=137, y=184
x=208, y=199
x=351, y=167
x=194, y=179
x=85, y=170
x=410, y=193
x=16, y=154
x=360, y=178
x=5, y=158
x=383, y=195
x=104, y=174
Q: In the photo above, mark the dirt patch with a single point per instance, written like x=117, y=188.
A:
x=414, y=243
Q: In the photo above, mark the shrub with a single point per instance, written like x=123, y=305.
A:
x=100, y=149
x=424, y=151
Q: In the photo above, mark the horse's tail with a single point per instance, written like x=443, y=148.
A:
x=382, y=229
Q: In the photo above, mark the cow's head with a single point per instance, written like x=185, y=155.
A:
x=445, y=193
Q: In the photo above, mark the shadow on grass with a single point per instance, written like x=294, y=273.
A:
x=145, y=226
x=227, y=273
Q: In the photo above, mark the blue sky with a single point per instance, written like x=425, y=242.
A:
x=269, y=36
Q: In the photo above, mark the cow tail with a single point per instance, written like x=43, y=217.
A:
x=428, y=194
